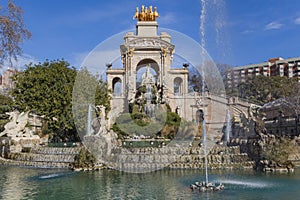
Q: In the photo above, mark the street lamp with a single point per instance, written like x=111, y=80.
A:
x=185, y=65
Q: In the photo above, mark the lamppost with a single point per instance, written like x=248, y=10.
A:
x=185, y=65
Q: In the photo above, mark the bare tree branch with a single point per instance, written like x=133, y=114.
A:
x=12, y=32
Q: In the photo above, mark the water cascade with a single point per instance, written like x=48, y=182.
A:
x=89, y=120
x=228, y=127
x=149, y=109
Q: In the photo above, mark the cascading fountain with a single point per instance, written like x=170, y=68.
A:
x=228, y=127
x=149, y=110
x=147, y=80
x=89, y=120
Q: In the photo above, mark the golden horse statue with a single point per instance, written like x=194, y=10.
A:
x=146, y=14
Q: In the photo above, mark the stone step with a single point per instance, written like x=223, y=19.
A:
x=219, y=157
x=42, y=157
x=56, y=150
x=133, y=167
x=179, y=151
x=248, y=164
x=34, y=164
x=44, y=164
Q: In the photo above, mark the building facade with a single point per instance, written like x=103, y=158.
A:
x=274, y=67
x=6, y=82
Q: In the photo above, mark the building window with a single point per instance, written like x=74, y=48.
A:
x=178, y=86
x=117, y=86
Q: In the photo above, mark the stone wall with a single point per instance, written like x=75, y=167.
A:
x=255, y=147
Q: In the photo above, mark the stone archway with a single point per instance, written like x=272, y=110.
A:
x=147, y=61
x=141, y=69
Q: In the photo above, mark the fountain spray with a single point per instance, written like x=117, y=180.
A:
x=202, y=31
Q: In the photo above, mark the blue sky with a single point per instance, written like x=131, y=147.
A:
x=238, y=32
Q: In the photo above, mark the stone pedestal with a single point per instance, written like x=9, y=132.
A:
x=146, y=28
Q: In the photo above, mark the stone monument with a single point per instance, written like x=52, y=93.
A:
x=147, y=48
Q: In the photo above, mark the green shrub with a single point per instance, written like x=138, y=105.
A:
x=84, y=159
x=280, y=150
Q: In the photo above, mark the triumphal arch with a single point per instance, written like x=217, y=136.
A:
x=153, y=52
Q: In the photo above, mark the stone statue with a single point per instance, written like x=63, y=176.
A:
x=99, y=123
x=253, y=111
x=136, y=15
x=103, y=128
x=102, y=141
x=147, y=77
x=16, y=127
x=12, y=124
x=155, y=13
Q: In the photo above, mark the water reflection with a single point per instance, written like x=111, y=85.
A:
x=13, y=185
x=24, y=183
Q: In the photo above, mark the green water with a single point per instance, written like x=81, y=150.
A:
x=28, y=183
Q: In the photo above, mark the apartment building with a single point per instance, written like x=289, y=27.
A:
x=274, y=67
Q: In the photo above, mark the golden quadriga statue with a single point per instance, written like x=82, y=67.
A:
x=146, y=14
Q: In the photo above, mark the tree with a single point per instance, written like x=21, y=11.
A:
x=47, y=89
x=12, y=32
x=84, y=159
x=88, y=90
x=223, y=69
x=263, y=89
x=280, y=149
x=6, y=104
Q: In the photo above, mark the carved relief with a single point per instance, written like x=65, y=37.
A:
x=150, y=43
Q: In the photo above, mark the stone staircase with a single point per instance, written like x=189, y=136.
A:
x=238, y=108
x=138, y=159
x=148, y=159
x=219, y=157
x=45, y=157
x=236, y=113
